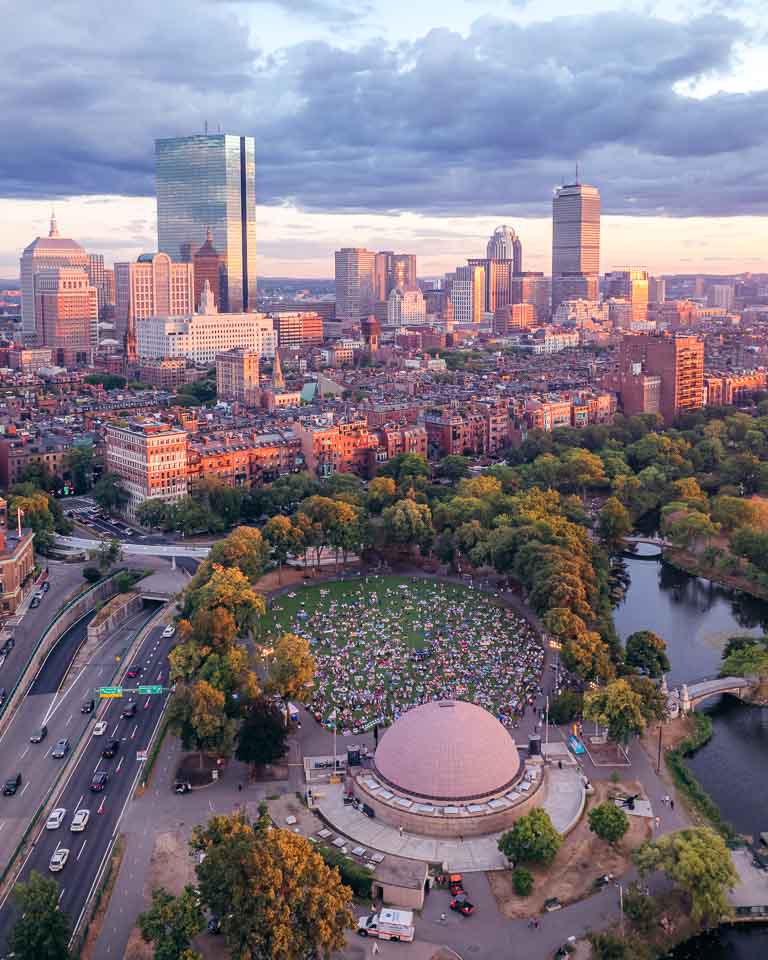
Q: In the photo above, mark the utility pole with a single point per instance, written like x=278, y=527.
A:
x=658, y=758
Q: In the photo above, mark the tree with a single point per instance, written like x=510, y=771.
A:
x=382, y=491
x=109, y=493
x=79, y=463
x=690, y=528
x=172, y=923
x=405, y=466
x=283, y=539
x=42, y=931
x=522, y=881
x=565, y=707
x=261, y=738
x=615, y=522
x=197, y=715
x=408, y=523
x=646, y=651
x=619, y=708
x=641, y=909
x=35, y=513
x=532, y=839
x=750, y=660
x=231, y=590
x=608, y=822
x=245, y=549
x=453, y=468
x=92, y=574
x=276, y=897
x=292, y=666
x=699, y=863
x=155, y=513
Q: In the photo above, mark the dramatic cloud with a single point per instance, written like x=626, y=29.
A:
x=443, y=124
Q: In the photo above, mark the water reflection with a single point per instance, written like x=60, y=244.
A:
x=745, y=942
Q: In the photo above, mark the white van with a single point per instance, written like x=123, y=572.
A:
x=388, y=924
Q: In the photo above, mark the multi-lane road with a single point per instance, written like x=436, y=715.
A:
x=89, y=848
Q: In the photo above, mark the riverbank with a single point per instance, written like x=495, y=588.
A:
x=694, y=564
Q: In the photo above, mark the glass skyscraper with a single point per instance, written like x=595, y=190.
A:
x=208, y=181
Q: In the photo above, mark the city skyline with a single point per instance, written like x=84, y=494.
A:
x=382, y=180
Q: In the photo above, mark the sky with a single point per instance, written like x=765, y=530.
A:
x=398, y=125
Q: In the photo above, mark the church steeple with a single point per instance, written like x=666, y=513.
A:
x=54, y=228
x=207, y=301
x=278, y=380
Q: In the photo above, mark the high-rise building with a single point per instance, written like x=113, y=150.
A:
x=298, y=329
x=237, y=376
x=514, y=317
x=154, y=286
x=66, y=308
x=631, y=284
x=209, y=181
x=721, y=295
x=499, y=276
x=574, y=286
x=355, y=269
x=393, y=270
x=661, y=375
x=97, y=275
x=406, y=306
x=209, y=266
x=151, y=460
x=468, y=294
x=532, y=287
x=575, y=241
x=45, y=253
x=657, y=290
x=505, y=244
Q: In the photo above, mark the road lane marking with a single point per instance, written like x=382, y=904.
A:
x=26, y=751
x=24, y=789
x=133, y=732
x=98, y=764
x=146, y=703
x=62, y=891
x=115, y=730
x=101, y=805
x=79, y=802
x=69, y=720
x=119, y=765
x=81, y=849
x=2, y=824
x=100, y=671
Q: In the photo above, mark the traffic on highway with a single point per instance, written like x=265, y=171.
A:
x=73, y=841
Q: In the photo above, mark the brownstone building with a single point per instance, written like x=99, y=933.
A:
x=17, y=563
x=662, y=375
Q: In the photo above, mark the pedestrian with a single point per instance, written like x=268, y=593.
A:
x=375, y=950
x=400, y=829
x=443, y=918
x=559, y=764
x=671, y=803
x=536, y=923
x=658, y=822
x=239, y=788
x=666, y=799
x=531, y=922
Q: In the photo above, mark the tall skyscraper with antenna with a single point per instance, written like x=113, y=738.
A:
x=575, y=242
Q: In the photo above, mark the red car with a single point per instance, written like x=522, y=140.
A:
x=133, y=672
x=463, y=906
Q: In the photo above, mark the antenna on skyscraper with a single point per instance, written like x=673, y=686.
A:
x=205, y=127
x=577, y=171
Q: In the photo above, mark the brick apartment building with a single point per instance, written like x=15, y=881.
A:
x=480, y=428
x=244, y=460
x=345, y=447
x=661, y=374
x=17, y=562
x=150, y=457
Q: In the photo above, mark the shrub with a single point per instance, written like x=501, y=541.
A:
x=522, y=881
x=608, y=822
x=92, y=574
x=355, y=876
x=641, y=909
x=565, y=708
x=532, y=839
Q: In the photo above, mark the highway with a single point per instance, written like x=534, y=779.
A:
x=89, y=848
x=54, y=699
x=138, y=549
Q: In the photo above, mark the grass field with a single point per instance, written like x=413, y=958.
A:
x=385, y=644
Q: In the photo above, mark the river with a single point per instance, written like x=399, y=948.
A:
x=696, y=617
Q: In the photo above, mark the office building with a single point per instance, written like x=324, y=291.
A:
x=532, y=287
x=44, y=253
x=499, y=277
x=468, y=294
x=297, y=329
x=150, y=458
x=209, y=266
x=154, y=286
x=208, y=182
x=721, y=295
x=237, y=376
x=631, y=284
x=97, y=275
x=575, y=243
x=513, y=318
x=392, y=270
x=67, y=315
x=201, y=336
x=406, y=307
x=661, y=374
x=505, y=244
x=657, y=290
x=355, y=269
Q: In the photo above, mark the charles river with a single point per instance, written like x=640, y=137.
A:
x=696, y=617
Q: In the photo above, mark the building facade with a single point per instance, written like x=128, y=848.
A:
x=208, y=182
x=468, y=294
x=505, y=244
x=355, y=269
x=678, y=364
x=209, y=267
x=406, y=307
x=154, y=286
x=151, y=460
x=298, y=329
x=631, y=284
x=345, y=447
x=67, y=315
x=575, y=240
x=237, y=376
x=392, y=270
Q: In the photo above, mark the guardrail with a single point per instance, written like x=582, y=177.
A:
x=64, y=769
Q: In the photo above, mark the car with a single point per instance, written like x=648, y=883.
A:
x=88, y=706
x=11, y=785
x=34, y=602
x=169, y=631
x=100, y=728
x=55, y=818
x=99, y=781
x=111, y=749
x=9, y=644
x=80, y=820
x=129, y=710
x=39, y=735
x=2, y=659
x=461, y=905
x=58, y=860
x=61, y=749
x=132, y=672
x=46, y=587
x=2, y=696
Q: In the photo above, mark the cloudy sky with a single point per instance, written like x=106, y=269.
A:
x=398, y=124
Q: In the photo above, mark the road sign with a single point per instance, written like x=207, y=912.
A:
x=152, y=688
x=106, y=692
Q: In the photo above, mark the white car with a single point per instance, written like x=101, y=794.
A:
x=80, y=820
x=169, y=630
x=100, y=728
x=59, y=858
x=55, y=818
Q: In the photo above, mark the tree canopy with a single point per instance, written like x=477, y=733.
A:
x=532, y=839
x=41, y=931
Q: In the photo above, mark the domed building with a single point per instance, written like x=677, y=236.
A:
x=448, y=768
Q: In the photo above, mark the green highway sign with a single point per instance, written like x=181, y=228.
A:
x=110, y=692
x=152, y=688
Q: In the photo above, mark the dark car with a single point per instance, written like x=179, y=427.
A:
x=129, y=710
x=99, y=781
x=39, y=735
x=61, y=749
x=2, y=696
x=111, y=749
x=8, y=645
x=87, y=706
x=132, y=672
x=12, y=784
x=34, y=602
x=46, y=587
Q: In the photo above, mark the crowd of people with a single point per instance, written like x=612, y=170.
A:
x=383, y=647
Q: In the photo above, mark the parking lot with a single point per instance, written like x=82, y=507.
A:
x=87, y=512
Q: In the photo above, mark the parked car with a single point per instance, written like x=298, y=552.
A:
x=88, y=706
x=39, y=735
x=61, y=749
x=9, y=644
x=58, y=860
x=463, y=906
x=80, y=820
x=46, y=587
x=55, y=818
x=111, y=749
x=99, y=781
x=12, y=784
x=100, y=728
x=34, y=602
